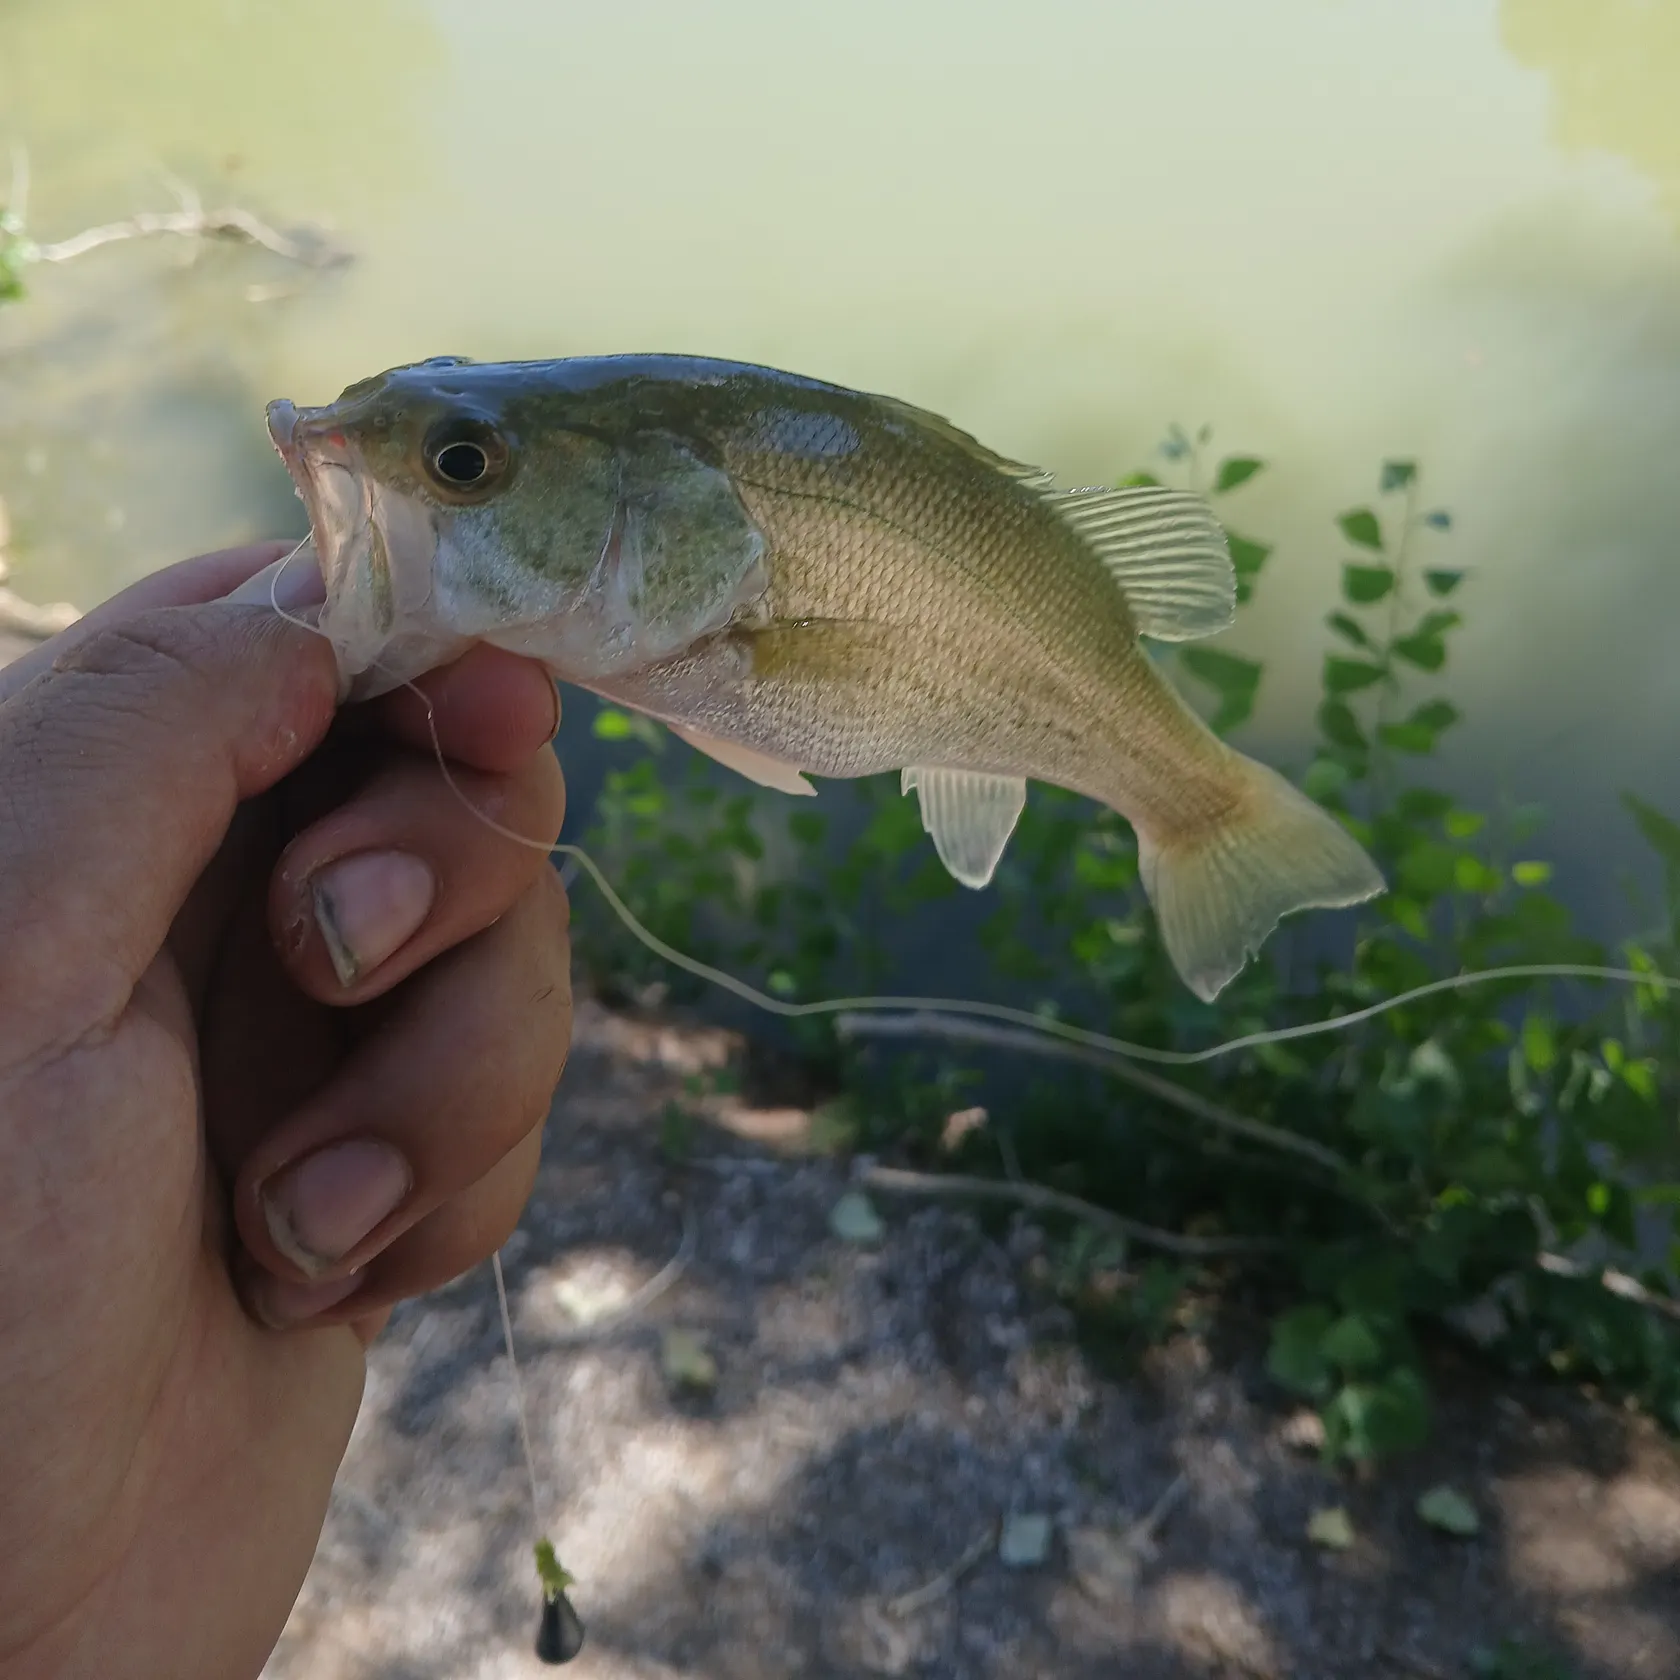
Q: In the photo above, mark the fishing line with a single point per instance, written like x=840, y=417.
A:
x=560, y=1632
x=1004, y=1013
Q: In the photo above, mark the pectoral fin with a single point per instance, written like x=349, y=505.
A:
x=745, y=761
x=970, y=816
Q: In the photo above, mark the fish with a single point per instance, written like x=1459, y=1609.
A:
x=802, y=580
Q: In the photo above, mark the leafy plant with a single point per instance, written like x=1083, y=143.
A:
x=1444, y=1158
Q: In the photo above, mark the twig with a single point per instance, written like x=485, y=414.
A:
x=897, y=1180
x=1617, y=1283
x=190, y=221
x=643, y=1298
x=229, y=223
x=24, y=618
x=1145, y=1528
x=928, y=1024
x=931, y=1591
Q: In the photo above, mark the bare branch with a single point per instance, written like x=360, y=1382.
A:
x=930, y=1592
x=1616, y=1283
x=19, y=617
x=962, y=1030
x=897, y=1180
x=193, y=222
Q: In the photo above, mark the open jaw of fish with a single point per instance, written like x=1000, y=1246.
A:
x=377, y=613
x=410, y=585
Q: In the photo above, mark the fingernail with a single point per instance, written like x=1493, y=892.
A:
x=368, y=906
x=556, y=729
x=282, y=1305
x=321, y=1208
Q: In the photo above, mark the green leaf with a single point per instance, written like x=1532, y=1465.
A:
x=1435, y=714
x=1471, y=875
x=1325, y=778
x=1349, y=629
x=1296, y=1357
x=1360, y=526
x=1407, y=737
x=807, y=827
x=1364, y=584
x=613, y=725
x=1339, y=725
x=1235, y=470
x=1372, y=1420
x=687, y=1362
x=1348, y=676
x=1235, y=680
x=1422, y=805
x=1428, y=868
x=1396, y=475
x=1531, y=873
x=1331, y=1528
x=1420, y=732
x=1351, y=1345
x=1137, y=481
x=1661, y=834
x=1428, y=653
x=1447, y=1509
x=853, y=1219
x=1247, y=557
x=1442, y=583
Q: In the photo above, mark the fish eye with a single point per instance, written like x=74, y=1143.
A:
x=465, y=457
x=462, y=463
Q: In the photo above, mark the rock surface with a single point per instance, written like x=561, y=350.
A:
x=878, y=1411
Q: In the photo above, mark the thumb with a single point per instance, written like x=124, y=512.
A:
x=120, y=771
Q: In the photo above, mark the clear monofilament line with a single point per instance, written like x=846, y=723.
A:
x=1003, y=1012
x=518, y=1394
x=999, y=1012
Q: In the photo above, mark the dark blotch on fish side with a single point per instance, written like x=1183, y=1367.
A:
x=560, y=1637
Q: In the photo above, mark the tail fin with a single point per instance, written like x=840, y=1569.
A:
x=1219, y=892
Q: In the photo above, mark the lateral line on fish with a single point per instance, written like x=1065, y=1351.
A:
x=1005, y=1013
x=875, y=516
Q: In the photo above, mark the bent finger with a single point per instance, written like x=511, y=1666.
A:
x=408, y=867
x=452, y=1239
x=462, y=1066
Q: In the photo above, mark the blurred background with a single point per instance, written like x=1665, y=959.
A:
x=1333, y=231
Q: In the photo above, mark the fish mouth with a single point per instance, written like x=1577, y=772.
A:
x=330, y=486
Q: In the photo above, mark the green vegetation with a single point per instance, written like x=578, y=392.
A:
x=1454, y=1148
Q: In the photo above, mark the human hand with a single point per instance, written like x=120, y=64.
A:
x=224, y=1155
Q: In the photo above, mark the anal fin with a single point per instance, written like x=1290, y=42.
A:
x=970, y=815
x=747, y=761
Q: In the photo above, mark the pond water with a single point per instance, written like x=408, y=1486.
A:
x=1336, y=230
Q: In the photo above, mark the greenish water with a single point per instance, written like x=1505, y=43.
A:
x=1336, y=230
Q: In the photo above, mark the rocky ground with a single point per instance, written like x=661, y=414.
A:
x=881, y=1412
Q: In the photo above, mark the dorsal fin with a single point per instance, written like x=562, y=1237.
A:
x=1166, y=551
x=937, y=426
